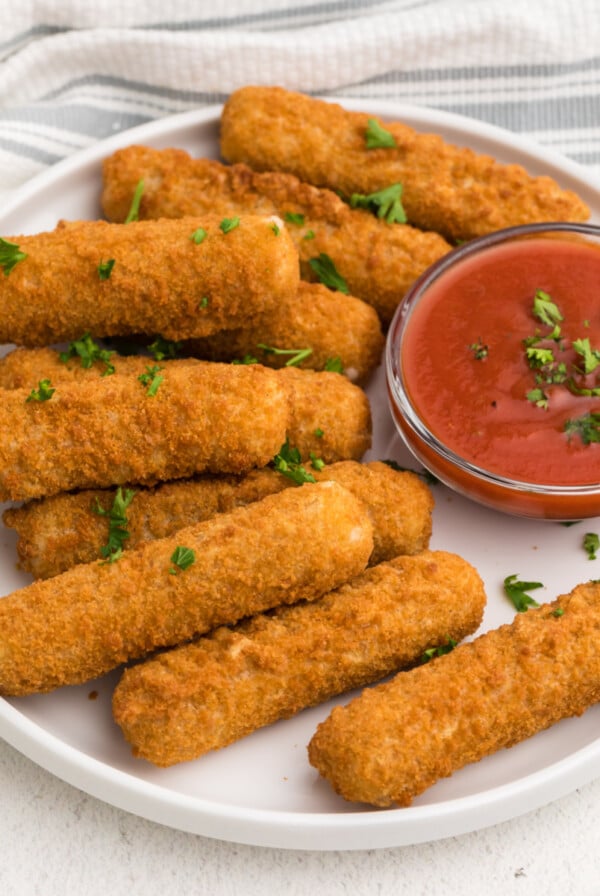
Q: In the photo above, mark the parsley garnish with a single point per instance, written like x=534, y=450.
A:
x=317, y=463
x=228, y=224
x=297, y=354
x=545, y=309
x=105, y=269
x=590, y=356
x=134, y=208
x=288, y=462
x=181, y=558
x=152, y=379
x=88, y=351
x=164, y=348
x=558, y=612
x=516, y=591
x=440, y=650
x=198, y=236
x=479, y=349
x=377, y=137
x=10, y=255
x=294, y=218
x=386, y=203
x=327, y=273
x=44, y=392
x=538, y=397
x=309, y=235
x=203, y=303
x=117, y=523
x=586, y=427
x=591, y=543
x=334, y=365
x=247, y=359
x=275, y=228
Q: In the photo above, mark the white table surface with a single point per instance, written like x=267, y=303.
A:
x=55, y=839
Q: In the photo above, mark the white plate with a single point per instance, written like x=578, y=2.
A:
x=262, y=790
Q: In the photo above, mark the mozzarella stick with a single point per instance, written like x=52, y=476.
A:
x=377, y=260
x=115, y=429
x=446, y=188
x=295, y=545
x=180, y=278
x=395, y=740
x=208, y=694
x=58, y=532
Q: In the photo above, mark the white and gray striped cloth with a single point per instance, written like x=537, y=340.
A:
x=73, y=72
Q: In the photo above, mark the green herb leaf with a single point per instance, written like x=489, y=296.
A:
x=558, y=612
x=288, y=462
x=442, y=649
x=586, y=427
x=317, y=463
x=181, y=558
x=538, y=397
x=228, y=224
x=516, y=591
x=198, y=236
x=386, y=203
x=590, y=356
x=275, y=228
x=152, y=379
x=247, y=359
x=545, y=310
x=117, y=523
x=105, y=269
x=334, y=365
x=134, y=209
x=10, y=255
x=164, y=348
x=88, y=351
x=479, y=349
x=309, y=235
x=294, y=218
x=327, y=273
x=591, y=543
x=297, y=354
x=377, y=137
x=44, y=392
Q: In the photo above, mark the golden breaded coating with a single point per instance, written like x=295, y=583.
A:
x=115, y=429
x=395, y=740
x=295, y=545
x=448, y=189
x=58, y=532
x=212, y=692
x=162, y=280
x=332, y=325
x=378, y=261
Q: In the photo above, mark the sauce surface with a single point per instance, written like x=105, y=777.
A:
x=467, y=372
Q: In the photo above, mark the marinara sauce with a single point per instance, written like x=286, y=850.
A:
x=500, y=359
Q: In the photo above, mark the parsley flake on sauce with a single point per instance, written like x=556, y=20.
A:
x=386, y=203
x=327, y=273
x=117, y=523
x=517, y=592
x=10, y=255
x=586, y=427
x=134, y=209
x=377, y=137
x=181, y=558
x=545, y=309
x=44, y=392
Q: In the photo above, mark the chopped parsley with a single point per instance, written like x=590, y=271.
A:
x=479, y=349
x=334, y=365
x=105, y=269
x=517, y=592
x=327, y=273
x=440, y=650
x=88, y=351
x=151, y=379
x=134, y=209
x=591, y=543
x=247, y=359
x=181, y=558
x=198, y=236
x=386, y=204
x=558, y=612
x=288, y=462
x=545, y=309
x=203, y=303
x=377, y=137
x=44, y=392
x=164, y=348
x=294, y=218
x=317, y=463
x=297, y=355
x=275, y=228
x=309, y=235
x=229, y=224
x=586, y=427
x=117, y=523
x=10, y=255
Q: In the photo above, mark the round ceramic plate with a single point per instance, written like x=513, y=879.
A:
x=262, y=790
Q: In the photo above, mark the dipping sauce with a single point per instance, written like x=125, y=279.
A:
x=498, y=359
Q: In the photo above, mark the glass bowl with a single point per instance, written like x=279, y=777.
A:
x=464, y=409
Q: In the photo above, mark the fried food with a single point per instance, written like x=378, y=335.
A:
x=325, y=326
x=395, y=740
x=378, y=261
x=295, y=545
x=115, y=429
x=162, y=280
x=448, y=189
x=58, y=532
x=212, y=692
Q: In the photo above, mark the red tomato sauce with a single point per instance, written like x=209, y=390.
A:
x=465, y=367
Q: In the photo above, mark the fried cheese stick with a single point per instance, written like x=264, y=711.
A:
x=393, y=741
x=212, y=692
x=58, y=532
x=295, y=545
x=446, y=188
x=180, y=278
x=378, y=261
